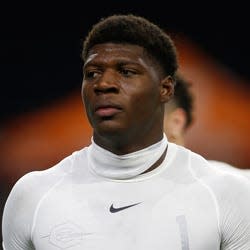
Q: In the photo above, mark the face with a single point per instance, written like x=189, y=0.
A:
x=122, y=91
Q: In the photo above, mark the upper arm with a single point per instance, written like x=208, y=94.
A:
x=235, y=215
x=17, y=216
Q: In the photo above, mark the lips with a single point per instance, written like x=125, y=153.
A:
x=107, y=110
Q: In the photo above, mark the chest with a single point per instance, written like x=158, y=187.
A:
x=127, y=216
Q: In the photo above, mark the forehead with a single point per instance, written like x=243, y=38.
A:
x=112, y=51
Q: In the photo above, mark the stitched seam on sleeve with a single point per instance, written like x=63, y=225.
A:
x=43, y=198
x=210, y=191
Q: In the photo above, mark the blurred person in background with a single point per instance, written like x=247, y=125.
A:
x=130, y=188
x=179, y=116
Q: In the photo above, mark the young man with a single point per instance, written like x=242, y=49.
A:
x=131, y=188
x=179, y=117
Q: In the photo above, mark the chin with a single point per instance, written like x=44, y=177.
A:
x=107, y=130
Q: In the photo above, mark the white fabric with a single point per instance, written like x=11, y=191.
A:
x=184, y=204
x=126, y=166
x=229, y=168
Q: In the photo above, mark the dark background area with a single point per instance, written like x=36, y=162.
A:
x=41, y=45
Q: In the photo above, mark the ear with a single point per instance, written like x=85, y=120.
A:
x=167, y=89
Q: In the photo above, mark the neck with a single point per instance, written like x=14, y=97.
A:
x=158, y=162
x=110, y=165
x=126, y=145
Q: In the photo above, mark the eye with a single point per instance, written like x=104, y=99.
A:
x=90, y=74
x=127, y=72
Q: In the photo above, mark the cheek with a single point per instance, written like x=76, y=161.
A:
x=86, y=99
x=148, y=98
x=85, y=93
x=144, y=103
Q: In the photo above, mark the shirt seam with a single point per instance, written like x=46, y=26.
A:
x=210, y=191
x=34, y=220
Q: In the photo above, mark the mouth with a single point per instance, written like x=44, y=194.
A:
x=107, y=110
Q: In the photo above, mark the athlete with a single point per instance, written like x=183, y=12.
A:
x=130, y=188
x=178, y=119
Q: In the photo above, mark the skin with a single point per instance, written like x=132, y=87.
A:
x=124, y=92
x=175, y=123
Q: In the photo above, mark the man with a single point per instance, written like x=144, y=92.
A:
x=179, y=117
x=131, y=188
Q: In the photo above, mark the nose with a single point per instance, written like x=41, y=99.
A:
x=107, y=83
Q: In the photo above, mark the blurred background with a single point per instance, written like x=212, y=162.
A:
x=42, y=116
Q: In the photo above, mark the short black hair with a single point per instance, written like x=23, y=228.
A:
x=183, y=97
x=131, y=29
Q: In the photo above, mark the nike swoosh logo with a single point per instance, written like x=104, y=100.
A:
x=112, y=209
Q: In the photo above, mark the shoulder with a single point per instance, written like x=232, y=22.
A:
x=231, y=175
x=192, y=159
x=230, y=188
x=230, y=193
x=232, y=197
x=223, y=166
x=36, y=183
x=48, y=176
x=30, y=188
x=211, y=172
x=44, y=179
x=24, y=199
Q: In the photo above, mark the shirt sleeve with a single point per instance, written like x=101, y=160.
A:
x=23, y=203
x=233, y=194
x=17, y=216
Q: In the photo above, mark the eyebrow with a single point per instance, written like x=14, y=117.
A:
x=119, y=62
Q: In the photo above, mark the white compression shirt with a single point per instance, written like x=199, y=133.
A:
x=184, y=204
x=229, y=168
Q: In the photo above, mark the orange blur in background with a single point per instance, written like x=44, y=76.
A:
x=40, y=139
